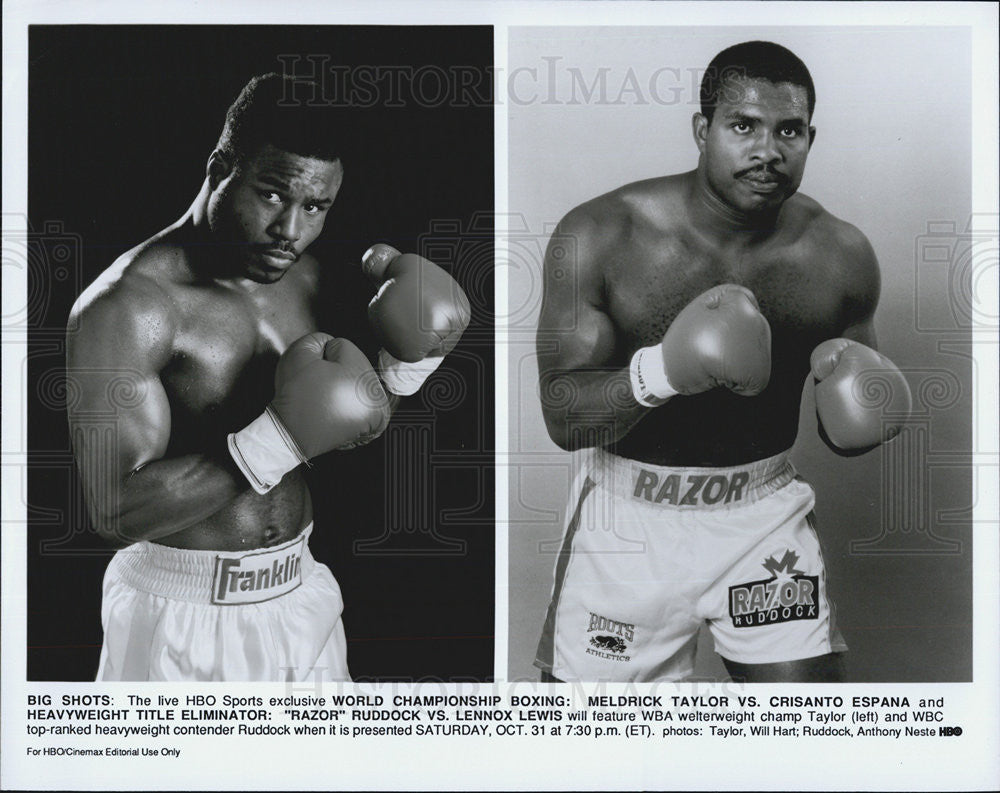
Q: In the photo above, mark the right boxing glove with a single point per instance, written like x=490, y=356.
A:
x=718, y=339
x=326, y=397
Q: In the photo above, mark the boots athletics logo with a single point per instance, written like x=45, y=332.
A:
x=789, y=594
x=611, y=642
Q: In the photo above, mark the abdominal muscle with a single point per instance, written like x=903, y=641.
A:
x=251, y=520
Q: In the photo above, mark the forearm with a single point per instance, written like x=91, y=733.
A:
x=165, y=496
x=589, y=408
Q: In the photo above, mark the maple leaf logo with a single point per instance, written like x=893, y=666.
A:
x=784, y=569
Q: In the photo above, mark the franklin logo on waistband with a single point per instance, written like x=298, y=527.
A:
x=690, y=489
x=256, y=577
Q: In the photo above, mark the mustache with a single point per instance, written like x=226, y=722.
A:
x=284, y=247
x=762, y=171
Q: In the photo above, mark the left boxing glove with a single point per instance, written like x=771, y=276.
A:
x=418, y=314
x=326, y=397
x=862, y=399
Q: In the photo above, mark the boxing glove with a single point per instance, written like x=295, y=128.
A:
x=862, y=399
x=326, y=397
x=418, y=314
x=718, y=339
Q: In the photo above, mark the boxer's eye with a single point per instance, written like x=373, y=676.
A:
x=741, y=127
x=270, y=196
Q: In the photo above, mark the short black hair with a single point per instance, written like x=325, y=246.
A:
x=271, y=109
x=754, y=60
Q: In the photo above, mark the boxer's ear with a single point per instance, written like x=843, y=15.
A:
x=699, y=128
x=812, y=136
x=219, y=166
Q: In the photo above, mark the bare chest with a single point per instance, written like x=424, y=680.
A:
x=226, y=350
x=800, y=295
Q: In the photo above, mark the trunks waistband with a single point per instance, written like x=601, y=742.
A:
x=220, y=577
x=691, y=488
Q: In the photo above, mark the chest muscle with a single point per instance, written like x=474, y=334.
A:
x=226, y=352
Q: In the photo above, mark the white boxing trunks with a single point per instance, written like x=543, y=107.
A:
x=270, y=614
x=651, y=552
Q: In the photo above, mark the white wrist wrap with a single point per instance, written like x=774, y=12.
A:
x=264, y=451
x=403, y=378
x=650, y=386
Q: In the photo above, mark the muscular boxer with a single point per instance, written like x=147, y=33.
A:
x=681, y=317
x=202, y=383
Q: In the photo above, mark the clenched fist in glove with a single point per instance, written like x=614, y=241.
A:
x=718, y=339
x=418, y=314
x=326, y=397
x=862, y=399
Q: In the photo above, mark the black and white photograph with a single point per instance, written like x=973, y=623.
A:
x=741, y=396
x=500, y=395
x=267, y=455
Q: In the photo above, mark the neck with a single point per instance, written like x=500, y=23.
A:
x=192, y=230
x=715, y=217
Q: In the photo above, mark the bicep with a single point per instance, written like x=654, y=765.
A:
x=865, y=286
x=119, y=414
x=574, y=330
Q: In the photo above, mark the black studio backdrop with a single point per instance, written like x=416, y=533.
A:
x=121, y=122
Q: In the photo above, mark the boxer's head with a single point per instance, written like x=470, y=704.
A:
x=272, y=177
x=753, y=131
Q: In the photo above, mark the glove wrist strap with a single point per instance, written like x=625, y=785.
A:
x=650, y=386
x=402, y=378
x=264, y=451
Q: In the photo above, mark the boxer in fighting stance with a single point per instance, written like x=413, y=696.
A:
x=681, y=316
x=201, y=382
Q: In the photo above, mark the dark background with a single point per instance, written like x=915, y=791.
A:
x=121, y=122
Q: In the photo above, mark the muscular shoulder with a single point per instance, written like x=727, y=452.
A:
x=627, y=210
x=840, y=246
x=611, y=221
x=590, y=228
x=823, y=229
x=129, y=307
